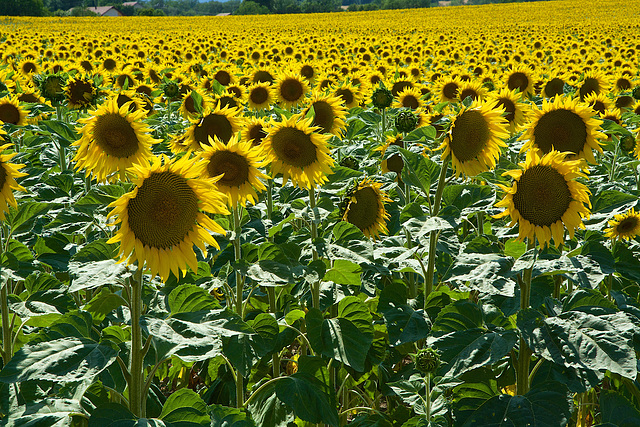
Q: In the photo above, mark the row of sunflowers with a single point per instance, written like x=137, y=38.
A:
x=259, y=225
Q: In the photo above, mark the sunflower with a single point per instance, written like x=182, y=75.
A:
x=11, y=111
x=394, y=162
x=409, y=98
x=364, y=208
x=254, y=131
x=221, y=123
x=113, y=139
x=565, y=125
x=165, y=215
x=447, y=89
x=544, y=197
x=193, y=104
x=236, y=164
x=178, y=143
x=8, y=174
x=328, y=113
x=520, y=78
x=52, y=87
x=593, y=82
x=472, y=89
x=290, y=89
x=515, y=110
x=624, y=226
x=295, y=149
x=475, y=138
x=600, y=102
x=349, y=94
x=260, y=96
x=27, y=67
x=308, y=70
x=80, y=93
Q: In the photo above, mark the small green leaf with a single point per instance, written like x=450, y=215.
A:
x=269, y=411
x=104, y=303
x=617, y=410
x=303, y=393
x=344, y=272
x=224, y=416
x=185, y=406
x=188, y=298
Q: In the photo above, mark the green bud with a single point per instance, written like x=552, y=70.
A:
x=382, y=97
x=427, y=360
x=406, y=121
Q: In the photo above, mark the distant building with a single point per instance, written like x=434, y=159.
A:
x=135, y=4
x=105, y=11
x=223, y=14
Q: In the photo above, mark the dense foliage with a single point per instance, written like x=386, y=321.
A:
x=371, y=218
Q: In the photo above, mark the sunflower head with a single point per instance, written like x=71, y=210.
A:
x=170, y=89
x=427, y=360
x=475, y=138
x=165, y=215
x=328, y=113
x=290, y=89
x=12, y=112
x=624, y=226
x=406, y=121
x=52, y=87
x=235, y=167
x=565, y=125
x=221, y=123
x=260, y=96
x=296, y=149
x=545, y=198
x=363, y=206
x=8, y=174
x=381, y=97
x=254, y=131
x=80, y=93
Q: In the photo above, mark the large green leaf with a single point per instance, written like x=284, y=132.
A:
x=338, y=338
x=617, y=410
x=627, y=262
x=63, y=360
x=224, y=416
x=188, y=297
x=464, y=350
x=468, y=198
x=104, y=303
x=418, y=171
x=488, y=273
x=185, y=408
x=458, y=316
x=305, y=395
x=269, y=411
x=581, y=340
x=94, y=274
x=404, y=324
x=193, y=336
x=541, y=407
x=45, y=413
x=117, y=415
x=344, y=272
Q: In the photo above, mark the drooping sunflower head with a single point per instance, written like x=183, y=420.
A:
x=545, y=198
x=515, y=110
x=113, y=139
x=565, y=125
x=11, y=111
x=599, y=102
x=260, y=96
x=624, y=226
x=221, y=123
x=80, y=93
x=363, y=207
x=298, y=151
x=8, y=174
x=475, y=138
x=193, y=104
x=290, y=89
x=328, y=113
x=52, y=87
x=235, y=167
x=165, y=215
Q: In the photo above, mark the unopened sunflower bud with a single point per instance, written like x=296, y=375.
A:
x=406, y=121
x=382, y=97
x=427, y=360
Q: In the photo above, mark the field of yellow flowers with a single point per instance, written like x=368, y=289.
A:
x=396, y=218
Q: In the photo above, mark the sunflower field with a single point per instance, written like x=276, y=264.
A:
x=400, y=218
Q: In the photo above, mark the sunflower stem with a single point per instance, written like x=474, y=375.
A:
x=427, y=398
x=384, y=126
x=433, y=237
x=315, y=287
x=136, y=370
x=275, y=358
x=524, y=355
x=269, y=199
x=7, y=332
x=239, y=295
x=612, y=171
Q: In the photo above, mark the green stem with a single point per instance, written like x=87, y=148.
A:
x=410, y=277
x=315, y=287
x=275, y=358
x=136, y=382
x=269, y=199
x=7, y=333
x=427, y=397
x=480, y=217
x=433, y=238
x=384, y=127
x=239, y=296
x=524, y=355
x=612, y=171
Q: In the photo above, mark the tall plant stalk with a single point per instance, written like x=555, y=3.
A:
x=136, y=381
x=315, y=287
x=524, y=355
x=237, y=249
x=433, y=237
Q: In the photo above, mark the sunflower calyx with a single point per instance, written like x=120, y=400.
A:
x=381, y=97
x=52, y=87
x=350, y=162
x=170, y=89
x=406, y=121
x=427, y=360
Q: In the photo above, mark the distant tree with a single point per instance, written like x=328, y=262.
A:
x=64, y=5
x=22, y=8
x=285, y=6
x=147, y=11
x=249, y=7
x=82, y=11
x=320, y=6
